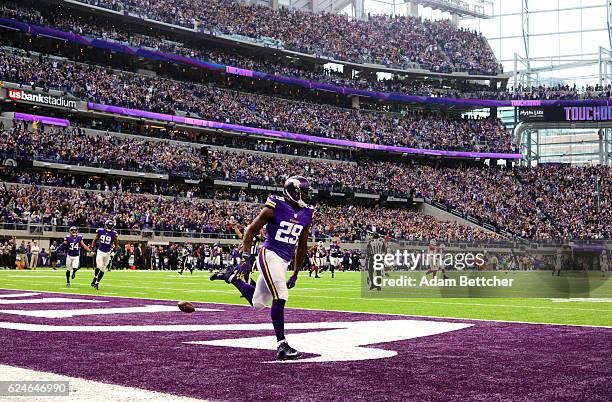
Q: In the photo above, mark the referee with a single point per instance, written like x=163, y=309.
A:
x=375, y=246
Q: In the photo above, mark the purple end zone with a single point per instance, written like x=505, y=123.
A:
x=487, y=361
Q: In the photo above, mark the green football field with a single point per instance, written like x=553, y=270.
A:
x=344, y=292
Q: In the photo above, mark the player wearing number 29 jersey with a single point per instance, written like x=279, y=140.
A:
x=287, y=220
x=284, y=229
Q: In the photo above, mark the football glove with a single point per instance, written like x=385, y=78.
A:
x=291, y=281
x=245, y=264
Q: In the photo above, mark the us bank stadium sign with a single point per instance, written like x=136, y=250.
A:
x=565, y=113
x=20, y=95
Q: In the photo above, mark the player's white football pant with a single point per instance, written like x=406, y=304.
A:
x=271, y=284
x=72, y=262
x=102, y=260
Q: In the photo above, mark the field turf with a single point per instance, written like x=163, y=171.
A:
x=342, y=293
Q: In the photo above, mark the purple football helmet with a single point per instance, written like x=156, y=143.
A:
x=109, y=224
x=297, y=189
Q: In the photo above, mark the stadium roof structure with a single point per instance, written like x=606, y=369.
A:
x=459, y=8
x=462, y=8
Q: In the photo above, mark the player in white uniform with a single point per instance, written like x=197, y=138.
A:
x=433, y=259
x=321, y=256
x=217, y=257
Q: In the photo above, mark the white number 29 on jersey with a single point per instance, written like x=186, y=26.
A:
x=288, y=232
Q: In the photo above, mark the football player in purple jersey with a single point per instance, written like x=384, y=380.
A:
x=72, y=244
x=207, y=257
x=335, y=257
x=107, y=241
x=287, y=220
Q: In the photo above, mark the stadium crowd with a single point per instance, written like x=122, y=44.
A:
x=578, y=201
x=29, y=206
x=70, y=146
x=354, y=222
x=53, y=178
x=546, y=202
x=412, y=129
x=100, y=29
x=97, y=28
x=542, y=203
x=213, y=139
x=392, y=41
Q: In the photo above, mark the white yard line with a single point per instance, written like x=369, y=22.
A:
x=8, y=296
x=84, y=390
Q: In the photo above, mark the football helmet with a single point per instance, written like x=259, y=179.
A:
x=109, y=224
x=73, y=230
x=297, y=189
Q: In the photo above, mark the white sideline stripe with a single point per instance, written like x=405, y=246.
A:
x=85, y=390
x=45, y=300
x=8, y=296
x=152, y=308
x=356, y=290
x=37, y=276
x=375, y=313
x=426, y=301
x=164, y=290
x=583, y=299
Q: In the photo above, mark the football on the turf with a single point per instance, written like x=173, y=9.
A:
x=186, y=307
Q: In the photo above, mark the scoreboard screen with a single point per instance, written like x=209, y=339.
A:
x=565, y=113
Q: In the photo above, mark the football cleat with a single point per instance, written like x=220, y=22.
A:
x=67, y=284
x=217, y=276
x=230, y=273
x=95, y=286
x=73, y=274
x=286, y=352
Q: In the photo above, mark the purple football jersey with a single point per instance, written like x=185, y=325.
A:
x=106, y=239
x=74, y=245
x=334, y=250
x=285, y=227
